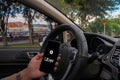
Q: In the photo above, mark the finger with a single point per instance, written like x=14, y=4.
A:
x=55, y=69
x=58, y=58
x=39, y=56
x=56, y=64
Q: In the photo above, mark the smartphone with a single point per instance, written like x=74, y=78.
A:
x=50, y=56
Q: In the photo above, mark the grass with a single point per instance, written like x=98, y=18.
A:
x=22, y=46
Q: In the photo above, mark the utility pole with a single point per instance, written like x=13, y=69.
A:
x=104, y=22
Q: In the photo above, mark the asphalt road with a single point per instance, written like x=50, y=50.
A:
x=18, y=42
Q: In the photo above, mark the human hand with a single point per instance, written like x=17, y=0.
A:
x=33, y=71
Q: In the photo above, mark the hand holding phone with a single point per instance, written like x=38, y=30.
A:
x=50, y=56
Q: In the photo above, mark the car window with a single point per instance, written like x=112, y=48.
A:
x=22, y=26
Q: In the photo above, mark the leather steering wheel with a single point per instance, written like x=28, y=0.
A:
x=72, y=60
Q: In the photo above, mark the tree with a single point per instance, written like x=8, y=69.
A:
x=96, y=26
x=115, y=26
x=112, y=26
x=88, y=9
x=30, y=15
x=6, y=9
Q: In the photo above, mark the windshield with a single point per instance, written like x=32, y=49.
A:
x=98, y=16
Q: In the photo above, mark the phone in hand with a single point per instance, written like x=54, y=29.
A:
x=50, y=56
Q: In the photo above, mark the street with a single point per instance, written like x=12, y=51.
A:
x=17, y=42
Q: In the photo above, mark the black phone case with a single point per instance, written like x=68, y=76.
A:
x=50, y=56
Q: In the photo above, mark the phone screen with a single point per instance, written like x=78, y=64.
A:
x=50, y=56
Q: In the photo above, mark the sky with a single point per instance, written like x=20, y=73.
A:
x=114, y=13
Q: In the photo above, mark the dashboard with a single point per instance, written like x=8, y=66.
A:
x=107, y=50
x=99, y=43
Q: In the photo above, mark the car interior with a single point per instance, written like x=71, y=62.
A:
x=84, y=55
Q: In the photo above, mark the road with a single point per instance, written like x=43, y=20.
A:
x=17, y=42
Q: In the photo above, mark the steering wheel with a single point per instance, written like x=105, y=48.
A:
x=72, y=60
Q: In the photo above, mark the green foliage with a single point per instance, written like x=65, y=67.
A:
x=115, y=26
x=96, y=26
x=112, y=26
x=89, y=9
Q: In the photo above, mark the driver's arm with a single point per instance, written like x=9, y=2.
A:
x=32, y=71
x=21, y=76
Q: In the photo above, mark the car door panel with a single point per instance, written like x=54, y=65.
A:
x=14, y=60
